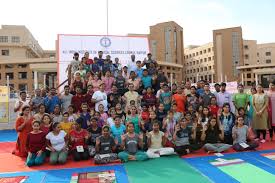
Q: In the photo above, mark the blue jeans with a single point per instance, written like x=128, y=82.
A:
x=33, y=159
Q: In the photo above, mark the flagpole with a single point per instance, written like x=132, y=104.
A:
x=107, y=17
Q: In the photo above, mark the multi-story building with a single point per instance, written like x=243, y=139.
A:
x=199, y=63
x=166, y=45
x=259, y=64
x=23, y=63
x=216, y=61
x=255, y=64
x=228, y=53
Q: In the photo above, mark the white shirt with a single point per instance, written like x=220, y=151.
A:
x=110, y=122
x=225, y=98
x=17, y=103
x=98, y=95
x=132, y=66
x=57, y=141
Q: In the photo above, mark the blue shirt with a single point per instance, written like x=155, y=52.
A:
x=146, y=81
x=139, y=72
x=200, y=91
x=165, y=99
x=51, y=103
x=86, y=117
x=117, y=132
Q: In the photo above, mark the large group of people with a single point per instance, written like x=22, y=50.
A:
x=109, y=112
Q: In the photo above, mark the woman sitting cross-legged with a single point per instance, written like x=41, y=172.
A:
x=182, y=136
x=36, y=145
x=240, y=136
x=212, y=135
x=130, y=143
x=105, y=146
x=78, y=141
x=57, y=143
x=156, y=142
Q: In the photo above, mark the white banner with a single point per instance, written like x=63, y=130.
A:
x=115, y=46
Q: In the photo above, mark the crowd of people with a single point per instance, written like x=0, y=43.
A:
x=110, y=113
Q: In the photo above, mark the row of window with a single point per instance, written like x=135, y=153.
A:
x=206, y=78
x=21, y=75
x=13, y=39
x=246, y=56
x=201, y=69
x=199, y=61
x=199, y=53
x=21, y=87
x=11, y=66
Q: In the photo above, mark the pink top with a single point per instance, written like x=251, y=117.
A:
x=95, y=84
x=108, y=84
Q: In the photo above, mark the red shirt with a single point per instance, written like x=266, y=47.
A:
x=150, y=100
x=36, y=142
x=45, y=129
x=77, y=100
x=79, y=138
x=180, y=100
x=89, y=61
x=214, y=109
x=145, y=115
x=88, y=100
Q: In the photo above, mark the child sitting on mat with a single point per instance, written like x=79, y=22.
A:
x=105, y=146
x=240, y=136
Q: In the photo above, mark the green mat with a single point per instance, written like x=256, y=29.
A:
x=248, y=173
x=169, y=169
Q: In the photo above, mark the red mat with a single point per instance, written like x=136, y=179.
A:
x=201, y=152
x=12, y=163
x=7, y=147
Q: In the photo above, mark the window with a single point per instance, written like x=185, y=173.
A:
x=248, y=75
x=8, y=66
x=4, y=39
x=201, y=69
x=205, y=68
x=198, y=70
x=201, y=60
x=268, y=61
x=194, y=70
x=268, y=53
x=15, y=39
x=198, y=61
x=197, y=53
x=209, y=58
x=194, y=62
x=205, y=77
x=249, y=83
x=193, y=54
x=246, y=47
x=200, y=52
x=191, y=71
x=5, y=52
x=258, y=54
x=209, y=49
x=22, y=65
x=23, y=87
x=0, y=76
x=204, y=51
x=205, y=59
x=10, y=75
x=23, y=75
x=246, y=56
x=209, y=67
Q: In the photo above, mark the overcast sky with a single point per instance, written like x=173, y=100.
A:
x=47, y=18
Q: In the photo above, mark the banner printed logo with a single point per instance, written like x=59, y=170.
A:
x=105, y=42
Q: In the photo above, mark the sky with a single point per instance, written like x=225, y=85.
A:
x=47, y=18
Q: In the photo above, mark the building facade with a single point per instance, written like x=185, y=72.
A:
x=166, y=45
x=24, y=65
x=228, y=53
x=259, y=64
x=199, y=63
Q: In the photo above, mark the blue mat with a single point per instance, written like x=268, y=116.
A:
x=216, y=175
x=8, y=135
x=64, y=175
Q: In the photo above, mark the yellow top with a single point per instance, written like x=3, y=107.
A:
x=66, y=126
